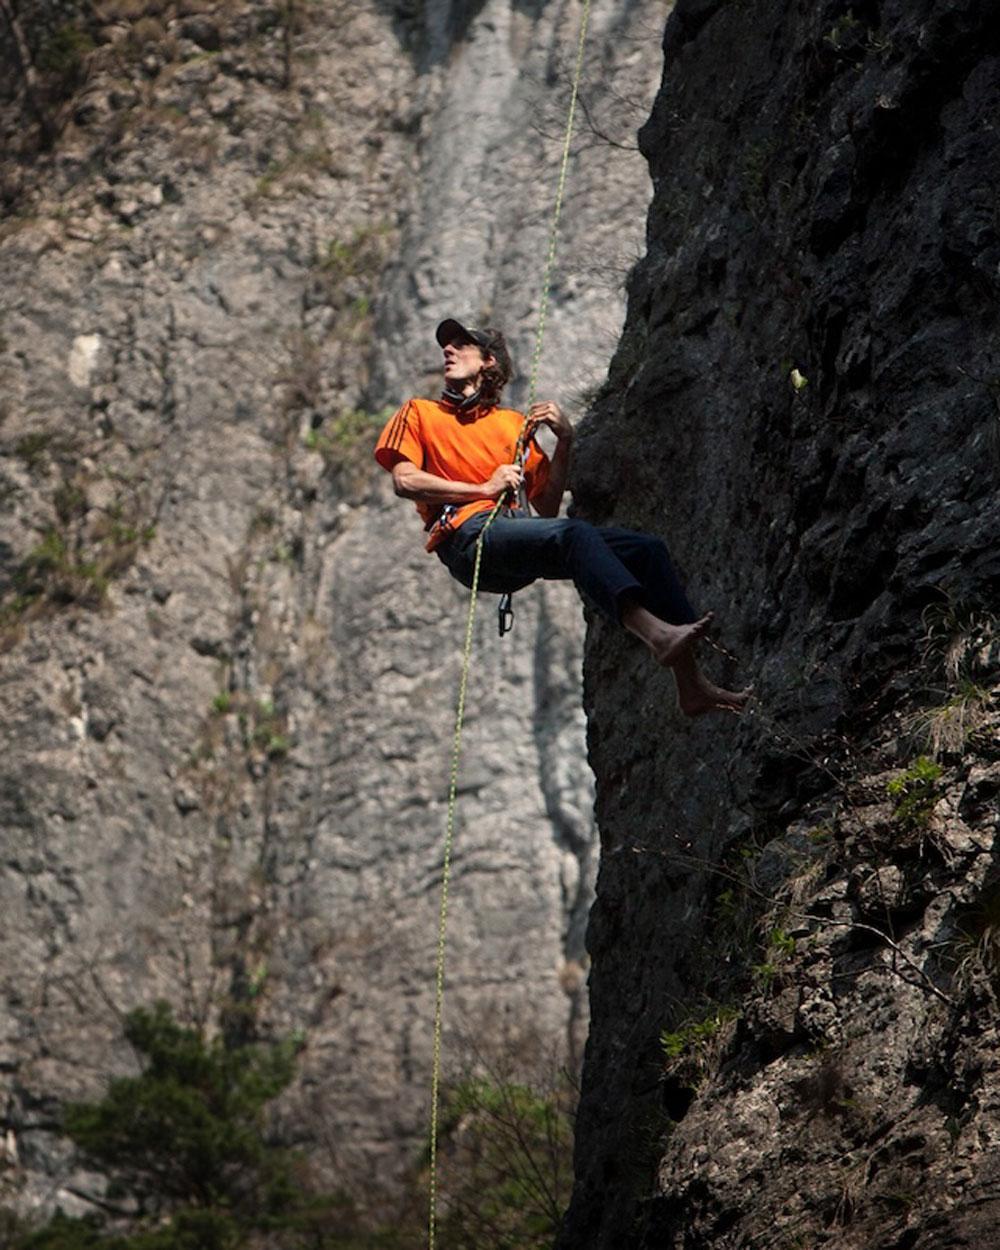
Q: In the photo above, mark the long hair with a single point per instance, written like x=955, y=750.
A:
x=492, y=380
x=494, y=377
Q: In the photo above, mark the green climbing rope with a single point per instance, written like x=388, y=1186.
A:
x=467, y=652
x=543, y=304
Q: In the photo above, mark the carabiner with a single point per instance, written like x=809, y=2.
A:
x=505, y=615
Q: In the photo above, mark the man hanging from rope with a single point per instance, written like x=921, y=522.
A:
x=453, y=458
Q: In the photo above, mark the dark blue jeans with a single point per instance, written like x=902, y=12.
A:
x=608, y=565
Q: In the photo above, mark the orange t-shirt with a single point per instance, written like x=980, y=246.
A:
x=459, y=446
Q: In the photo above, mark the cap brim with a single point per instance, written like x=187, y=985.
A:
x=450, y=330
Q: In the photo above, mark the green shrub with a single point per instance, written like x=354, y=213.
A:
x=339, y=439
x=64, y=53
x=64, y=49
x=31, y=448
x=508, y=1170
x=693, y=1049
x=222, y=703
x=360, y=256
x=51, y=571
x=189, y=1128
x=914, y=792
x=186, y=1142
x=78, y=556
x=693, y=1036
x=189, y=1230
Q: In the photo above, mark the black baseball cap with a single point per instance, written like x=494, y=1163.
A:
x=490, y=340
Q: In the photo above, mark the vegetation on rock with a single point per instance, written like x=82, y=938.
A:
x=507, y=1164
x=82, y=549
x=185, y=1150
x=191, y=1164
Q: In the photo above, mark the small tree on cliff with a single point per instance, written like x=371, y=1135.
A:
x=185, y=1144
x=189, y=1130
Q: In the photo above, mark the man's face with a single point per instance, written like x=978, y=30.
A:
x=463, y=363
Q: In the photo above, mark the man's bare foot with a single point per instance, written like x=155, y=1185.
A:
x=700, y=696
x=672, y=642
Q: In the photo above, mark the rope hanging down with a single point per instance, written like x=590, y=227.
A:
x=470, y=621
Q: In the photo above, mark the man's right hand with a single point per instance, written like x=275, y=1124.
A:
x=506, y=477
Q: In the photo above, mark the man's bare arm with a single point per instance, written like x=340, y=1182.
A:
x=409, y=482
x=549, y=500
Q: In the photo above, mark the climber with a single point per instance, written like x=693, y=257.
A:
x=453, y=458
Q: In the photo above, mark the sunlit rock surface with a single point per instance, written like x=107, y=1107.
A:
x=230, y=671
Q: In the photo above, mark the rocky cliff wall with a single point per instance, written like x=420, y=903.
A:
x=794, y=992
x=229, y=669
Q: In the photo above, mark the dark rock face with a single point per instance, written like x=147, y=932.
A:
x=826, y=185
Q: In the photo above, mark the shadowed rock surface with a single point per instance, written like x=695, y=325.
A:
x=805, y=910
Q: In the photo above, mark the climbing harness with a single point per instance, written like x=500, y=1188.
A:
x=506, y=619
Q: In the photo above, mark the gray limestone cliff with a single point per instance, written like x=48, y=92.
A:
x=229, y=669
x=794, y=991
